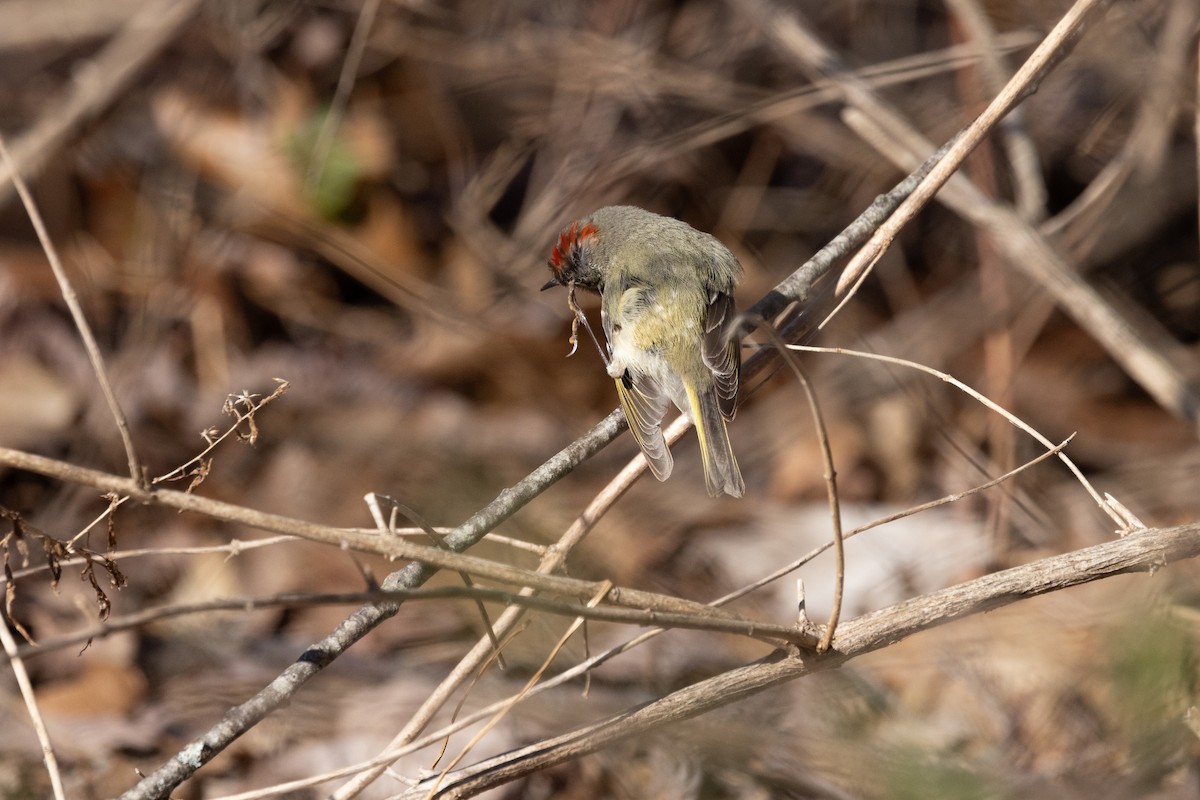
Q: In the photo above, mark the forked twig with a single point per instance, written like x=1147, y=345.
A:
x=835, y=511
x=389, y=525
x=81, y=323
x=529, y=684
x=1008, y=415
x=252, y=408
x=552, y=561
x=585, y=667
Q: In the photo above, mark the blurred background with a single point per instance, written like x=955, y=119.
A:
x=360, y=197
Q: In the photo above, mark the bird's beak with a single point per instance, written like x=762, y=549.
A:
x=551, y=284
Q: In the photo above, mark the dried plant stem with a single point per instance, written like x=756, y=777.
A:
x=1008, y=415
x=234, y=548
x=552, y=561
x=35, y=715
x=81, y=323
x=704, y=618
x=529, y=684
x=252, y=408
x=368, y=541
x=835, y=512
x=1027, y=77
x=1142, y=551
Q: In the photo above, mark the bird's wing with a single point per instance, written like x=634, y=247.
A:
x=722, y=354
x=645, y=403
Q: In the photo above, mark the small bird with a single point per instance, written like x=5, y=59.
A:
x=666, y=304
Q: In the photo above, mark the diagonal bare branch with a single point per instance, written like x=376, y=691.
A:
x=1140, y=552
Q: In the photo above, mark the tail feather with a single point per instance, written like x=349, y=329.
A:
x=721, y=472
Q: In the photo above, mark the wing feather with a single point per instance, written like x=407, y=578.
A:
x=644, y=403
x=722, y=354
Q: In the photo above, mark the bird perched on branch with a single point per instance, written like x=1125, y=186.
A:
x=668, y=315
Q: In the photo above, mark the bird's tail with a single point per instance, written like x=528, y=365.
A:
x=721, y=472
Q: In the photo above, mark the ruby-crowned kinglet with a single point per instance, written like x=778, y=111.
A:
x=667, y=308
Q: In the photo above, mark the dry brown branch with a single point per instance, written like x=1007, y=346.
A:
x=81, y=323
x=835, y=513
x=1144, y=551
x=366, y=772
x=358, y=539
x=705, y=618
x=35, y=715
x=552, y=561
x=1164, y=373
x=563, y=108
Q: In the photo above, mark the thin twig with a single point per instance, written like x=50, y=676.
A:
x=1027, y=77
x=234, y=548
x=81, y=323
x=35, y=715
x=1140, y=552
x=469, y=665
x=107, y=513
x=1008, y=415
x=701, y=618
x=835, y=511
x=529, y=684
x=585, y=667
